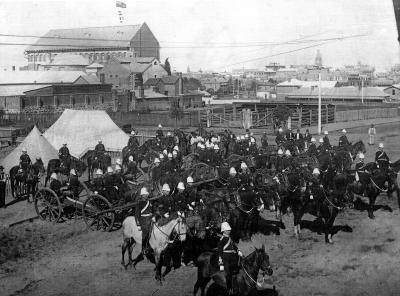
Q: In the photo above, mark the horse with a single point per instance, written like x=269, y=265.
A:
x=246, y=279
x=30, y=177
x=95, y=162
x=57, y=166
x=158, y=239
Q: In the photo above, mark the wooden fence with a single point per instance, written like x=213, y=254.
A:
x=352, y=115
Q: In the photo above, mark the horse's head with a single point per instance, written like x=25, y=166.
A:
x=180, y=229
x=39, y=165
x=359, y=146
x=262, y=260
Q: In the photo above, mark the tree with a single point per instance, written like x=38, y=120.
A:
x=191, y=84
x=281, y=114
x=167, y=67
x=176, y=112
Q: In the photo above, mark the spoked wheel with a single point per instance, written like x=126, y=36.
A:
x=47, y=205
x=97, y=213
x=85, y=191
x=141, y=176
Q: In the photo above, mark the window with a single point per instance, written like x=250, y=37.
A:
x=73, y=101
x=393, y=92
x=166, y=93
x=101, y=99
x=102, y=77
x=110, y=75
x=87, y=100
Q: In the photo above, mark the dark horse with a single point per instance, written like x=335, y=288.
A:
x=57, y=166
x=30, y=177
x=246, y=279
x=102, y=162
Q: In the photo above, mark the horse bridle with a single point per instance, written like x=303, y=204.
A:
x=251, y=278
x=176, y=235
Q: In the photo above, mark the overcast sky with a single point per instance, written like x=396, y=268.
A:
x=222, y=34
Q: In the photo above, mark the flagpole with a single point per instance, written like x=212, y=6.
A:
x=319, y=104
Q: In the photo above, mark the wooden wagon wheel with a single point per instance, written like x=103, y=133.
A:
x=97, y=213
x=85, y=192
x=47, y=205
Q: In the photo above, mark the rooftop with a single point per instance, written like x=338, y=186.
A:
x=92, y=37
x=39, y=77
x=17, y=90
x=64, y=59
x=302, y=83
x=339, y=92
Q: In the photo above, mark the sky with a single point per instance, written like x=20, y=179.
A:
x=220, y=35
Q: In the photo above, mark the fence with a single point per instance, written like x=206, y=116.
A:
x=343, y=116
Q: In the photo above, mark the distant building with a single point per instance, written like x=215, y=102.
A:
x=287, y=87
x=394, y=92
x=96, y=44
x=318, y=59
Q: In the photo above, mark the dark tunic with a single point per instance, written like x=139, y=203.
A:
x=55, y=185
x=228, y=252
x=343, y=141
x=264, y=141
x=25, y=161
x=382, y=159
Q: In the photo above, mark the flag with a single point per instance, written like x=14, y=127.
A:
x=120, y=4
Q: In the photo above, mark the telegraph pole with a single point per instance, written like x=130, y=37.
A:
x=319, y=104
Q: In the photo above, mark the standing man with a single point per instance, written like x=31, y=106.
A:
x=371, y=135
x=159, y=132
x=326, y=141
x=2, y=188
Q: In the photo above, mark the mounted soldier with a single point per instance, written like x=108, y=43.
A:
x=228, y=257
x=312, y=149
x=289, y=135
x=315, y=188
x=97, y=181
x=264, y=140
x=323, y=147
x=298, y=138
x=307, y=136
x=133, y=141
x=280, y=139
x=63, y=154
x=24, y=160
x=143, y=217
x=131, y=169
x=253, y=151
x=156, y=171
x=159, y=132
x=216, y=156
x=73, y=185
x=233, y=181
x=279, y=161
x=109, y=185
x=287, y=160
x=327, y=143
x=164, y=202
x=343, y=141
x=362, y=175
x=244, y=176
x=381, y=158
x=99, y=150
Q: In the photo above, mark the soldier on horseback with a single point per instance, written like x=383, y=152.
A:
x=312, y=149
x=131, y=169
x=253, y=147
x=63, y=153
x=143, y=217
x=315, y=188
x=381, y=158
x=24, y=160
x=264, y=140
x=280, y=139
x=159, y=132
x=133, y=141
x=99, y=149
x=228, y=257
x=233, y=181
x=327, y=143
x=361, y=170
x=97, y=181
x=279, y=161
x=343, y=141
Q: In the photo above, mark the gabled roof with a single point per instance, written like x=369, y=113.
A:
x=152, y=81
x=138, y=68
x=145, y=60
x=64, y=59
x=150, y=94
x=169, y=79
x=89, y=79
x=93, y=37
x=36, y=145
x=18, y=90
x=39, y=77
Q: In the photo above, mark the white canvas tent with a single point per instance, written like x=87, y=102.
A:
x=36, y=145
x=81, y=130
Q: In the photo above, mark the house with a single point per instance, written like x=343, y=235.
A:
x=14, y=85
x=344, y=95
x=128, y=73
x=291, y=85
x=97, y=44
x=167, y=85
x=393, y=91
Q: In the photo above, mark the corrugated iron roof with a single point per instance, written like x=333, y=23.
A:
x=18, y=90
x=338, y=92
x=92, y=37
x=309, y=83
x=39, y=77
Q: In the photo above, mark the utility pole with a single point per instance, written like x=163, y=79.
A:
x=362, y=90
x=319, y=104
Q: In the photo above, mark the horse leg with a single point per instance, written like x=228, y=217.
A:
x=200, y=283
x=124, y=246
x=297, y=218
x=139, y=258
x=372, y=199
x=157, y=258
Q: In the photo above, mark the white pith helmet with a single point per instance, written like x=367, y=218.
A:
x=225, y=227
x=321, y=140
x=361, y=155
x=287, y=153
x=144, y=191
x=72, y=172
x=232, y=171
x=118, y=161
x=99, y=172
x=344, y=131
x=109, y=170
x=130, y=158
x=161, y=156
x=381, y=145
x=159, y=125
x=316, y=171
x=216, y=147
x=181, y=186
x=53, y=176
x=280, y=152
x=176, y=148
x=156, y=160
x=325, y=132
x=313, y=140
x=189, y=180
x=166, y=188
x=243, y=165
x=169, y=155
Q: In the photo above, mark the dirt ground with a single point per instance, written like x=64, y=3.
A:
x=40, y=258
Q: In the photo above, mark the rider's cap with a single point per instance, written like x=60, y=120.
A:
x=174, y=152
x=189, y=179
x=251, y=134
x=169, y=155
x=133, y=133
x=325, y=132
x=246, y=136
x=169, y=134
x=380, y=145
x=166, y=187
x=232, y=171
x=72, y=172
x=280, y=152
x=130, y=158
x=156, y=160
x=199, y=145
x=280, y=130
x=287, y=152
x=361, y=156
x=24, y=149
x=316, y=171
x=313, y=140
x=53, y=176
x=225, y=226
x=99, y=172
x=161, y=156
x=181, y=186
x=242, y=138
x=344, y=130
x=321, y=140
x=118, y=167
x=252, y=140
x=243, y=165
x=118, y=161
x=165, y=151
x=216, y=147
x=109, y=170
x=159, y=125
x=143, y=191
x=176, y=148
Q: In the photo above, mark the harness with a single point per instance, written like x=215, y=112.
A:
x=250, y=277
x=383, y=190
x=330, y=202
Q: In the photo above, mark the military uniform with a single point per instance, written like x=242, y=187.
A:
x=131, y=171
x=312, y=149
x=343, y=141
x=143, y=215
x=279, y=139
x=327, y=143
x=361, y=172
x=56, y=185
x=228, y=252
x=24, y=161
x=382, y=160
x=97, y=183
x=110, y=190
x=159, y=134
x=233, y=182
x=74, y=186
x=133, y=142
x=100, y=149
x=264, y=141
x=63, y=152
x=307, y=137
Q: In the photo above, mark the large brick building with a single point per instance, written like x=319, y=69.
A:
x=97, y=44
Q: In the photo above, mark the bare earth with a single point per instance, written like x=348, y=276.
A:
x=40, y=258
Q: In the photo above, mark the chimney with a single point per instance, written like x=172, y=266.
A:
x=180, y=84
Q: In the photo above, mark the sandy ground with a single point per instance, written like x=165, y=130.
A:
x=40, y=258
